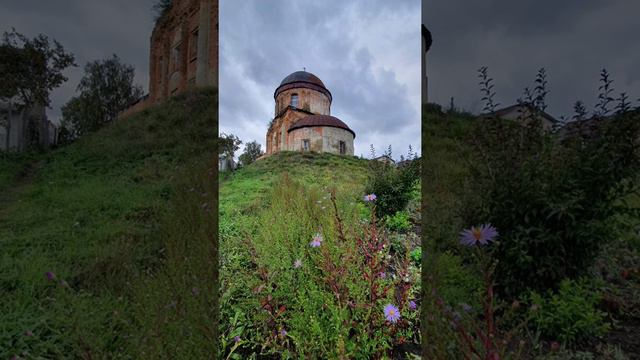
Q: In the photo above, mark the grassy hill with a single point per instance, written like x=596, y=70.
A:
x=242, y=188
x=269, y=212
x=95, y=237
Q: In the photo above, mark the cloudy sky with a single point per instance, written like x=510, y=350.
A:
x=367, y=53
x=90, y=29
x=572, y=39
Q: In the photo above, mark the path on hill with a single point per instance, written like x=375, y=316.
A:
x=24, y=178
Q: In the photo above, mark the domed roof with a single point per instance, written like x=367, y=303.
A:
x=302, y=76
x=302, y=79
x=320, y=120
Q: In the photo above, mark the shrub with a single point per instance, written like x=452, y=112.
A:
x=571, y=314
x=550, y=199
x=392, y=185
x=416, y=256
x=398, y=221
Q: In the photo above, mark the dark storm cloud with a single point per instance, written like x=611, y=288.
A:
x=366, y=52
x=90, y=29
x=573, y=40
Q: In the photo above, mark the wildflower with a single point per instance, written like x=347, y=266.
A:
x=317, y=240
x=297, y=263
x=466, y=307
x=236, y=339
x=382, y=275
x=391, y=313
x=482, y=234
x=370, y=197
x=412, y=305
x=51, y=276
x=456, y=317
x=283, y=332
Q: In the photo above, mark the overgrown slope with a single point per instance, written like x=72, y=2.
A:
x=90, y=231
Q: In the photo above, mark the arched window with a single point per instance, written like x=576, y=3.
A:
x=294, y=100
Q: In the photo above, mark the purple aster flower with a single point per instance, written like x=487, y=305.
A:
x=391, y=313
x=482, y=234
x=297, y=263
x=236, y=339
x=382, y=275
x=412, y=305
x=317, y=240
x=370, y=197
x=283, y=332
x=51, y=276
x=466, y=307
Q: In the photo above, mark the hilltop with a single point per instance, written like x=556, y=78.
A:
x=89, y=233
x=240, y=189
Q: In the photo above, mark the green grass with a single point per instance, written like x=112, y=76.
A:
x=102, y=214
x=269, y=212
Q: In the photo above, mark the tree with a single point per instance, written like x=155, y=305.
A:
x=161, y=7
x=228, y=144
x=252, y=151
x=31, y=68
x=106, y=89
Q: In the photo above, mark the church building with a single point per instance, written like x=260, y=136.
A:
x=303, y=121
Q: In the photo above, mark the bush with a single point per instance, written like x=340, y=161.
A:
x=551, y=196
x=398, y=222
x=392, y=185
x=571, y=314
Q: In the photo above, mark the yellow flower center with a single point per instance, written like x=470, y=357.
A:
x=477, y=234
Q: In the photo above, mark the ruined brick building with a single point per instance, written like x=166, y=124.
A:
x=302, y=120
x=184, y=51
x=22, y=129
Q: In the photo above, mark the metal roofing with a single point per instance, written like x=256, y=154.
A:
x=302, y=79
x=320, y=120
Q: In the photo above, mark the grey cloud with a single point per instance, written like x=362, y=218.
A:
x=573, y=40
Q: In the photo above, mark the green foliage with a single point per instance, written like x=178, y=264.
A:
x=270, y=211
x=106, y=89
x=113, y=216
x=550, y=198
x=392, y=185
x=252, y=151
x=398, y=222
x=571, y=314
x=228, y=144
x=31, y=68
x=416, y=256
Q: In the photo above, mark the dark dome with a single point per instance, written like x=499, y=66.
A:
x=320, y=120
x=302, y=79
x=302, y=76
